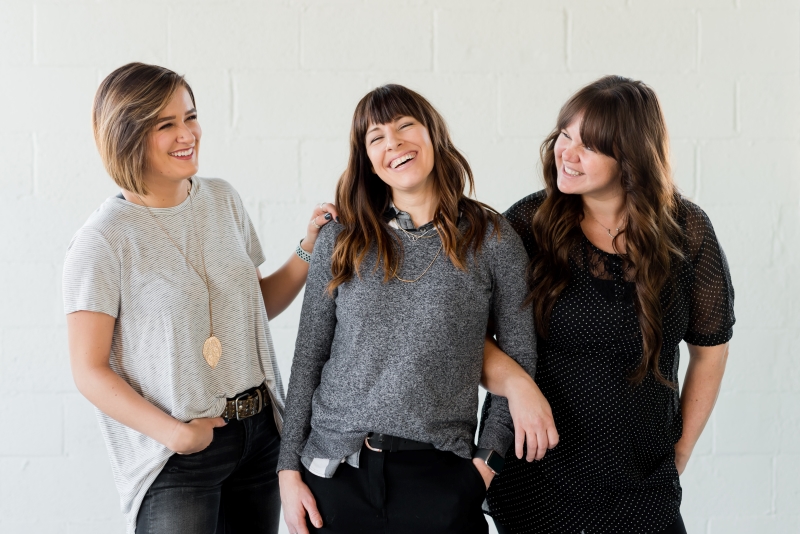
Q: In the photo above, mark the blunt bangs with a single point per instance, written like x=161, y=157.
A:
x=386, y=104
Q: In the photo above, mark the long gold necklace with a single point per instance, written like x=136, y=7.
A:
x=212, y=348
x=414, y=239
x=608, y=230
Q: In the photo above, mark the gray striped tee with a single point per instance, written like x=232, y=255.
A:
x=122, y=264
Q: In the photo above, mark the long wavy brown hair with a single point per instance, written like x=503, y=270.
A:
x=362, y=197
x=623, y=120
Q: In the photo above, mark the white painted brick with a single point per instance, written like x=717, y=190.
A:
x=731, y=229
x=47, y=99
x=33, y=525
x=529, y=108
x=251, y=35
x=82, y=437
x=109, y=34
x=212, y=90
x=16, y=164
x=466, y=101
x=310, y=105
x=322, y=163
x=110, y=526
x=335, y=39
x=763, y=524
x=522, y=39
x=16, y=33
x=39, y=348
x=790, y=423
x=73, y=488
x=260, y=169
x=695, y=106
x=728, y=485
x=684, y=160
x=769, y=106
x=729, y=169
x=40, y=432
x=759, y=306
x=29, y=294
x=755, y=359
x=69, y=171
x=787, y=501
x=514, y=163
x=749, y=41
x=695, y=523
x=747, y=423
x=642, y=40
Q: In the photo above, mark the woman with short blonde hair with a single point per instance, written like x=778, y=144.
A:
x=168, y=320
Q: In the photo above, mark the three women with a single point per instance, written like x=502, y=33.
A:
x=380, y=412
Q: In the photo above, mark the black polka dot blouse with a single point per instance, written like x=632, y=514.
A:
x=614, y=468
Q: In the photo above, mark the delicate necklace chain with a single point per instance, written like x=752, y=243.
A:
x=612, y=236
x=423, y=272
x=414, y=237
x=212, y=348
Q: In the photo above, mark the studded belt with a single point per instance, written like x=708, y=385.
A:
x=248, y=404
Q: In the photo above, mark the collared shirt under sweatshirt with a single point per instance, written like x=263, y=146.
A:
x=405, y=359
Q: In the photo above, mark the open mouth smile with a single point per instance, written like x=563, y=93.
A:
x=183, y=154
x=570, y=172
x=402, y=160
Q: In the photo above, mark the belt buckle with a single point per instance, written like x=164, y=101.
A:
x=236, y=404
x=370, y=447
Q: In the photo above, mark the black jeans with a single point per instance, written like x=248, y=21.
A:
x=401, y=492
x=675, y=528
x=229, y=488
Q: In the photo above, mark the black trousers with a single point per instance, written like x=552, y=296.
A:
x=675, y=528
x=401, y=492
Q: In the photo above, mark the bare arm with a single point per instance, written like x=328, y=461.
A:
x=280, y=288
x=90, y=336
x=700, y=391
x=530, y=411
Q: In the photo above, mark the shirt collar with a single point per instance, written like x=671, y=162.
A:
x=401, y=219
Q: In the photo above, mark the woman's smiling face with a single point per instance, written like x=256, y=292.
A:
x=174, y=142
x=582, y=170
x=401, y=153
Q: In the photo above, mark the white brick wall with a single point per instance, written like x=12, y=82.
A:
x=276, y=83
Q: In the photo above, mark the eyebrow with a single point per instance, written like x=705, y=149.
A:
x=171, y=117
x=373, y=129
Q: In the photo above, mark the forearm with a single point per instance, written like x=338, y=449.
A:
x=700, y=390
x=501, y=375
x=281, y=287
x=117, y=399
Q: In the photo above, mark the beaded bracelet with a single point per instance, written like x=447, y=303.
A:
x=302, y=254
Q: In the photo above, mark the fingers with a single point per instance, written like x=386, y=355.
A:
x=519, y=441
x=532, y=447
x=310, y=505
x=217, y=422
x=552, y=437
x=541, y=444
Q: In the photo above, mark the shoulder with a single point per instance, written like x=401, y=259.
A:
x=521, y=213
x=326, y=240
x=502, y=239
x=217, y=188
x=693, y=220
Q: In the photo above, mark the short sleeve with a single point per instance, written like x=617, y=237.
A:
x=710, y=290
x=91, y=278
x=249, y=234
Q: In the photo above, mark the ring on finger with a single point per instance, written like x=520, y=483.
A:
x=322, y=205
x=314, y=222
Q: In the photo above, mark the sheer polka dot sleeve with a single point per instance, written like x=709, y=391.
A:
x=710, y=292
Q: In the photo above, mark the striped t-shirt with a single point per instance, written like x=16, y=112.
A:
x=122, y=264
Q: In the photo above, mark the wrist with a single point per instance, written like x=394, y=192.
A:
x=307, y=243
x=177, y=438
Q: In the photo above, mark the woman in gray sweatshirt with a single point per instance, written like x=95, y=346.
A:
x=382, y=401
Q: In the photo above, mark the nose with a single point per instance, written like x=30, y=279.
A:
x=185, y=135
x=392, y=141
x=568, y=154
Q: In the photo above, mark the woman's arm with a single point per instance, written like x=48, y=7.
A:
x=90, y=336
x=700, y=391
x=280, y=288
x=530, y=411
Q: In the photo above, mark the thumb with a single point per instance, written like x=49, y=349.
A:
x=313, y=514
x=217, y=422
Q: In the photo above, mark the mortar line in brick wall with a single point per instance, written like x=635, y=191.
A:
x=231, y=98
x=434, y=41
x=300, y=27
x=35, y=177
x=737, y=126
x=699, y=33
x=568, y=39
x=170, y=12
x=33, y=35
x=773, y=486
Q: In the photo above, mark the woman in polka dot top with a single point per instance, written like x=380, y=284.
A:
x=622, y=269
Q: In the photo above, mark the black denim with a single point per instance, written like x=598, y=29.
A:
x=229, y=488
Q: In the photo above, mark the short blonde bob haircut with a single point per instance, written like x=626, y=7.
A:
x=126, y=108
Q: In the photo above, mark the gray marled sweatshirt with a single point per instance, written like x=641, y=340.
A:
x=405, y=358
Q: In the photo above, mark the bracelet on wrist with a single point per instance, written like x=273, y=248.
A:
x=302, y=254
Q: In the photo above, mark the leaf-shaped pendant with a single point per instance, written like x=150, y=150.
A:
x=212, y=351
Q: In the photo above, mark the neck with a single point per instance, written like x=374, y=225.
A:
x=161, y=194
x=421, y=206
x=607, y=209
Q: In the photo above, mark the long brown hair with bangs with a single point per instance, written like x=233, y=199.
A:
x=362, y=197
x=623, y=120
